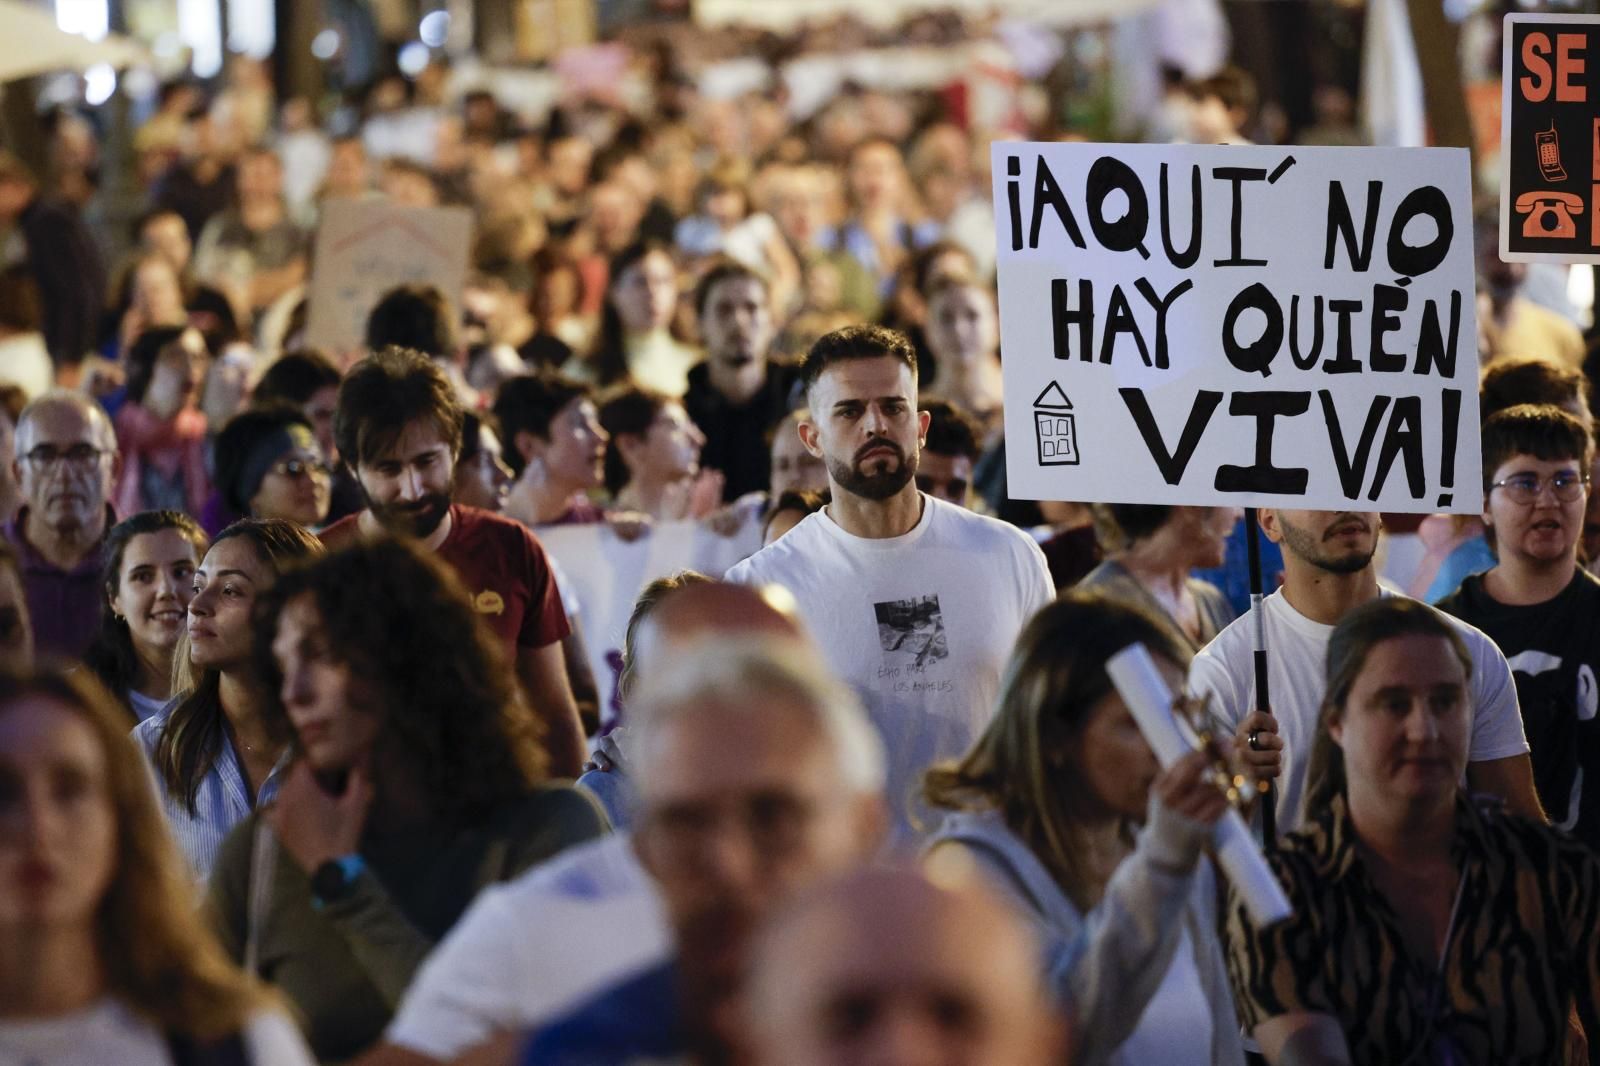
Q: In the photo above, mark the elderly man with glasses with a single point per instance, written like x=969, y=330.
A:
x=66, y=465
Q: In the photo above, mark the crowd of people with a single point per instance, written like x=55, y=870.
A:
x=303, y=759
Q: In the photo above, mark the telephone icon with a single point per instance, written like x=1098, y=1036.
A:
x=1549, y=214
x=1549, y=148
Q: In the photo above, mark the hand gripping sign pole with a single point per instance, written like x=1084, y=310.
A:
x=1150, y=701
x=1258, y=618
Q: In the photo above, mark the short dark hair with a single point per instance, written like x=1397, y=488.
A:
x=951, y=431
x=21, y=304
x=139, y=364
x=1529, y=379
x=236, y=444
x=802, y=500
x=855, y=342
x=472, y=423
x=1232, y=85
x=1118, y=525
x=627, y=409
x=724, y=268
x=1543, y=431
x=388, y=391
x=413, y=316
x=295, y=377
x=529, y=404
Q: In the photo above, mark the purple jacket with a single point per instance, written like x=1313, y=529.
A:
x=64, y=605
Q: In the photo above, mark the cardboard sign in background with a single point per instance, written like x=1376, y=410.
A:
x=365, y=248
x=1550, y=140
x=1245, y=326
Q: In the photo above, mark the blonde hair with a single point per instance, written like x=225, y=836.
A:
x=158, y=956
x=1056, y=677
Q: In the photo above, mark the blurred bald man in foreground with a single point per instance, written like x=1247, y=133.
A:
x=884, y=967
x=531, y=949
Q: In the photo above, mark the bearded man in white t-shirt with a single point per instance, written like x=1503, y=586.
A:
x=915, y=602
x=1327, y=572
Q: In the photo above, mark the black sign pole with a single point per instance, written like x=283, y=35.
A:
x=1269, y=813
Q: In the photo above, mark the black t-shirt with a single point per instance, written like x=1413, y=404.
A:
x=736, y=437
x=1554, y=652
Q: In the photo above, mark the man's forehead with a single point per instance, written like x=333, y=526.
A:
x=738, y=290
x=870, y=378
x=713, y=754
x=415, y=439
x=59, y=424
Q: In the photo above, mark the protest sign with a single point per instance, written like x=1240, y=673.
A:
x=1233, y=325
x=365, y=248
x=1550, y=139
x=601, y=575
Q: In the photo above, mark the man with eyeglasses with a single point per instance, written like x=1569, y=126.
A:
x=66, y=465
x=1539, y=605
x=1327, y=573
x=759, y=777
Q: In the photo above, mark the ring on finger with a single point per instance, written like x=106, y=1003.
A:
x=1254, y=740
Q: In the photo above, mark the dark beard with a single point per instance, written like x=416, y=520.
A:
x=419, y=518
x=1308, y=547
x=880, y=486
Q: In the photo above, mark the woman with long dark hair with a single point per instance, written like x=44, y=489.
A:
x=103, y=955
x=419, y=776
x=215, y=753
x=635, y=338
x=147, y=574
x=1062, y=803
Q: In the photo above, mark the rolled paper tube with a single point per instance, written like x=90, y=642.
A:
x=1150, y=701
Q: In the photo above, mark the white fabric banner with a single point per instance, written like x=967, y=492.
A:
x=1239, y=325
x=602, y=574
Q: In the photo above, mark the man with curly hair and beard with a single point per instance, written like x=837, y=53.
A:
x=1327, y=573
x=417, y=779
x=916, y=602
x=398, y=427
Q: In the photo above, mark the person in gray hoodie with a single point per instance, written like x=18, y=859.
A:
x=1049, y=803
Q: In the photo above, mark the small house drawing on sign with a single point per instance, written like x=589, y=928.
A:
x=1055, y=428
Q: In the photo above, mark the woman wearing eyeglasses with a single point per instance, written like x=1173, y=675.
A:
x=269, y=465
x=1539, y=605
x=1428, y=927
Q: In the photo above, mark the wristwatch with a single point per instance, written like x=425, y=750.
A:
x=335, y=879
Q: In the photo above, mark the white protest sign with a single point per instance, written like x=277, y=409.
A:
x=1233, y=325
x=604, y=574
x=365, y=248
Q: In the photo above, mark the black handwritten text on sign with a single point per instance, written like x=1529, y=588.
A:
x=1238, y=325
x=1550, y=139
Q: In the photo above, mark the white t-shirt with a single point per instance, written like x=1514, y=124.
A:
x=1175, y=1027
x=1297, y=650
x=108, y=1032
x=529, y=950
x=920, y=625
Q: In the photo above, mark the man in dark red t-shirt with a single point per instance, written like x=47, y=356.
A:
x=399, y=427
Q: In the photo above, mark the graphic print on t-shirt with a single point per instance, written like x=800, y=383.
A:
x=913, y=638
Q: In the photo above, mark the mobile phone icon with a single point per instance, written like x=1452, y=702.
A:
x=1549, y=148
